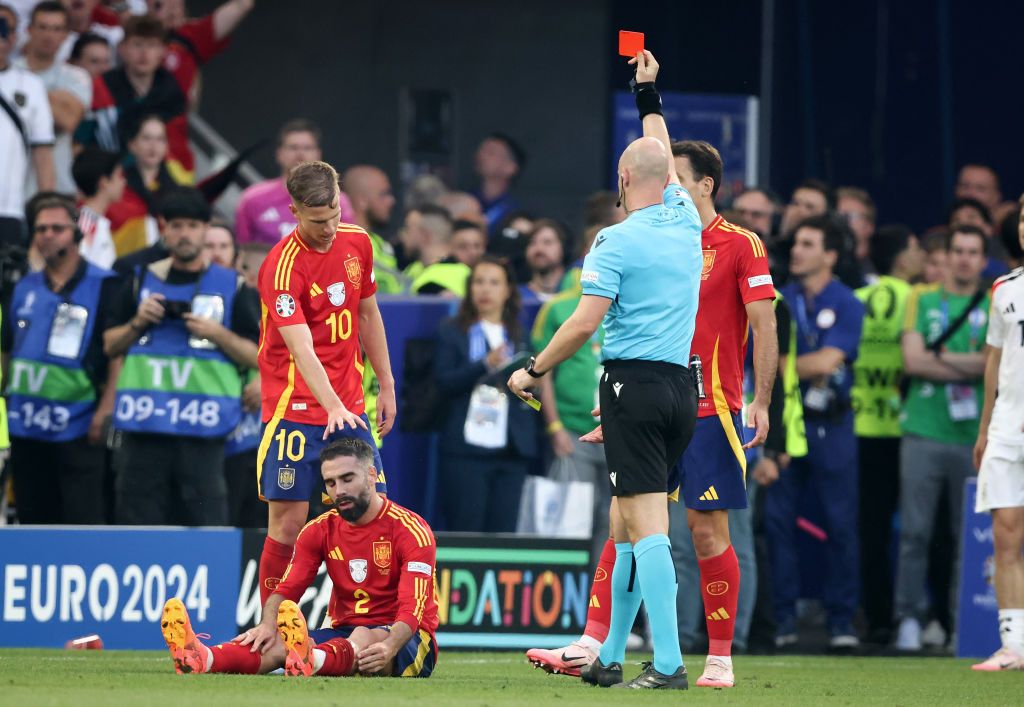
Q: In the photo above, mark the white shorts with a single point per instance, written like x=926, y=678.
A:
x=1001, y=479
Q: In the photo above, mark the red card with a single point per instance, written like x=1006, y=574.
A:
x=630, y=43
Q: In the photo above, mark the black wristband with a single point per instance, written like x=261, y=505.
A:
x=647, y=99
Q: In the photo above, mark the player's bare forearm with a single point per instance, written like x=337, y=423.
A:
x=655, y=126
x=374, y=340
x=579, y=327
x=400, y=634
x=270, y=610
x=766, y=348
x=993, y=358
x=299, y=341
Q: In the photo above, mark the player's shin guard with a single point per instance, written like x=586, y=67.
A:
x=340, y=657
x=720, y=587
x=234, y=658
x=599, y=612
x=657, y=576
x=273, y=562
x=625, y=586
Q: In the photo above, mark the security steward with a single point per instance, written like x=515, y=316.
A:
x=641, y=279
x=57, y=391
x=186, y=328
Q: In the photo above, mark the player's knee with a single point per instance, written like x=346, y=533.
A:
x=285, y=521
x=1007, y=534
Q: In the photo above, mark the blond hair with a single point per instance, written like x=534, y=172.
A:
x=313, y=184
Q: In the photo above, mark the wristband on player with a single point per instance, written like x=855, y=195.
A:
x=554, y=427
x=648, y=101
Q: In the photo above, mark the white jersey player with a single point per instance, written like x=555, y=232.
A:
x=999, y=456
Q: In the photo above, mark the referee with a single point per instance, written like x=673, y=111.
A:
x=641, y=278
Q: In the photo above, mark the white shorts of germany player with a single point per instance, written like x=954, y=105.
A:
x=1001, y=479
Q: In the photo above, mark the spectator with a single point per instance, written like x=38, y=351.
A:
x=499, y=160
x=140, y=87
x=934, y=245
x=602, y=208
x=812, y=197
x=100, y=181
x=944, y=335
x=424, y=189
x=245, y=510
x=436, y=271
x=1009, y=235
x=974, y=213
x=757, y=208
x=487, y=439
x=980, y=183
x=828, y=320
x=469, y=241
x=546, y=249
x=69, y=88
x=91, y=52
x=264, y=211
x=148, y=177
x=858, y=209
x=57, y=429
x=250, y=258
x=369, y=190
x=876, y=398
x=179, y=321
x=25, y=142
x=509, y=240
x=462, y=206
x=91, y=17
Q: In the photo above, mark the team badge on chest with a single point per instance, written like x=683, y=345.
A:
x=336, y=293
x=357, y=568
x=382, y=553
x=354, y=271
x=709, y=262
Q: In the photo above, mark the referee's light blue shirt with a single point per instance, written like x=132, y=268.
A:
x=649, y=266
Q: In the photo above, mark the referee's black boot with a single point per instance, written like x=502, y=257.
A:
x=651, y=679
x=597, y=673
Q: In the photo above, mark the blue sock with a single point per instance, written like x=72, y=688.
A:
x=657, y=577
x=625, y=604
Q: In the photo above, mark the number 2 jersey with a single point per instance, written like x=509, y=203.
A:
x=383, y=572
x=300, y=285
x=1006, y=332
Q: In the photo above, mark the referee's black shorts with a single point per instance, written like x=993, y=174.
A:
x=648, y=413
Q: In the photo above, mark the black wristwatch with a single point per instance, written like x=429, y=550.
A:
x=531, y=368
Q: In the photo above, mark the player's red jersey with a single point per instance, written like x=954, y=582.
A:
x=735, y=273
x=383, y=572
x=300, y=285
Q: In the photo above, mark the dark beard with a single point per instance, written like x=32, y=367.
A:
x=358, y=508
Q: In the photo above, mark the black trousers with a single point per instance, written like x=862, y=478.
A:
x=170, y=480
x=58, y=482
x=481, y=494
x=879, y=501
x=245, y=509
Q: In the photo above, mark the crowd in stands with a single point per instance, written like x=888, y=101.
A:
x=114, y=244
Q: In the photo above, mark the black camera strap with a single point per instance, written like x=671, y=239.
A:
x=16, y=119
x=954, y=326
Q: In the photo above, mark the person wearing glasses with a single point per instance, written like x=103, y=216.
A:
x=58, y=393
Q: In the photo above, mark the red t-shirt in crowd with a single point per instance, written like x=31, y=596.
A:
x=383, y=572
x=192, y=45
x=735, y=273
x=300, y=285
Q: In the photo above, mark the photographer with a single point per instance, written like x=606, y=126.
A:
x=185, y=327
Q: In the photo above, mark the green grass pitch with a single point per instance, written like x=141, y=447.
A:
x=112, y=678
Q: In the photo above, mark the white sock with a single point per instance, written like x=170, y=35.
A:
x=319, y=657
x=727, y=659
x=1011, y=629
x=591, y=643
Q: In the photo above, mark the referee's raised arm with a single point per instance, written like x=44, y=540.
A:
x=648, y=103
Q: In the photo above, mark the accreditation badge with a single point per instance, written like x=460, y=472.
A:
x=208, y=307
x=67, y=331
x=962, y=401
x=487, y=419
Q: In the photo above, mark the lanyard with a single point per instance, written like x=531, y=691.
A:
x=810, y=336
x=975, y=328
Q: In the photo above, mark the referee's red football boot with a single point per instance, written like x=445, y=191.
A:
x=187, y=651
x=291, y=624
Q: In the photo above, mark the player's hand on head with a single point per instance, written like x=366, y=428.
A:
x=340, y=418
x=646, y=66
x=757, y=418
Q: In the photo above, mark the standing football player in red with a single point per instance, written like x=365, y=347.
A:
x=317, y=290
x=380, y=557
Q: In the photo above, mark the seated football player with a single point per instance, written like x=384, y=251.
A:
x=380, y=557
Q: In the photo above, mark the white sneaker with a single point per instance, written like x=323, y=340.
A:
x=635, y=642
x=933, y=636
x=909, y=636
x=717, y=672
x=844, y=641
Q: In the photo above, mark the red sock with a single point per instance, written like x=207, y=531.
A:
x=599, y=613
x=720, y=586
x=340, y=659
x=234, y=658
x=273, y=562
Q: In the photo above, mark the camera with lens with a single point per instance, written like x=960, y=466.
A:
x=174, y=309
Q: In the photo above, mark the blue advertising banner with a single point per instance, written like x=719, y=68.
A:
x=978, y=615
x=727, y=122
x=63, y=583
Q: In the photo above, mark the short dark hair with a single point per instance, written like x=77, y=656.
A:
x=134, y=126
x=560, y=230
x=299, y=125
x=49, y=6
x=518, y=153
x=184, y=202
x=766, y=191
x=935, y=240
x=968, y=203
x=599, y=208
x=348, y=447
x=466, y=225
x=887, y=243
x=91, y=165
x=84, y=40
x=145, y=27
x=819, y=186
x=704, y=160
x=313, y=184
x=4, y=7
x=1009, y=234
x=833, y=237
x=50, y=200
x=967, y=229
